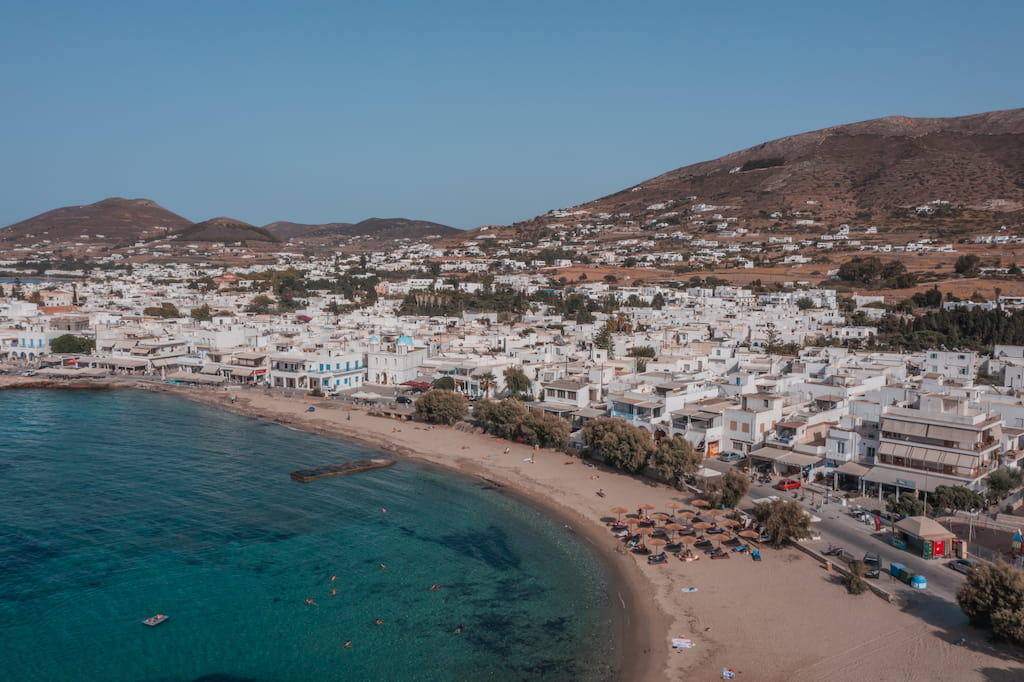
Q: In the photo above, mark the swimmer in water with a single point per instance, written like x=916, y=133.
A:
x=434, y=588
x=383, y=510
x=334, y=592
x=310, y=602
x=348, y=644
x=383, y=567
x=378, y=622
x=458, y=630
x=333, y=578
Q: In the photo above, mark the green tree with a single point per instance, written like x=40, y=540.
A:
x=993, y=597
x=623, y=445
x=967, y=265
x=69, y=343
x=658, y=302
x=516, y=381
x=784, y=521
x=673, y=457
x=202, y=313
x=949, y=497
x=1001, y=481
x=545, y=430
x=854, y=581
x=487, y=383
x=260, y=305
x=906, y=505
x=804, y=303
x=729, y=489
x=642, y=352
x=444, y=383
x=502, y=418
x=165, y=310
x=603, y=339
x=440, y=407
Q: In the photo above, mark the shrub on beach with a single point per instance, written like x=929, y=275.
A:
x=993, y=597
x=784, y=521
x=854, y=581
x=728, y=490
x=546, y=430
x=674, y=457
x=440, y=407
x=623, y=445
x=511, y=419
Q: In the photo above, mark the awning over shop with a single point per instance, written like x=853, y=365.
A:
x=905, y=479
x=798, y=459
x=770, y=453
x=589, y=413
x=195, y=378
x=170, y=362
x=852, y=469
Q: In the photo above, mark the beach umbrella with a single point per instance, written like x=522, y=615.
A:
x=619, y=510
x=713, y=512
x=703, y=525
x=660, y=516
x=673, y=505
x=701, y=503
x=674, y=526
x=646, y=507
x=657, y=542
x=688, y=539
x=630, y=521
x=729, y=523
x=750, y=534
x=688, y=514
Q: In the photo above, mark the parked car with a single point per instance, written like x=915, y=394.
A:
x=787, y=484
x=403, y=400
x=964, y=566
x=730, y=456
x=872, y=565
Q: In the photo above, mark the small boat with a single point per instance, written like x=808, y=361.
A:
x=155, y=620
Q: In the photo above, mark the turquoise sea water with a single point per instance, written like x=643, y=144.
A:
x=118, y=505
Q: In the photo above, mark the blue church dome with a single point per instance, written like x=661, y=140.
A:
x=407, y=340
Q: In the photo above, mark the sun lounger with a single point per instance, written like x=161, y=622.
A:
x=744, y=548
x=688, y=531
x=657, y=559
x=640, y=549
x=723, y=555
x=673, y=546
x=714, y=531
x=731, y=541
x=702, y=543
x=755, y=554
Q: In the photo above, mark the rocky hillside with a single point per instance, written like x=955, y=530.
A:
x=225, y=230
x=896, y=172
x=112, y=220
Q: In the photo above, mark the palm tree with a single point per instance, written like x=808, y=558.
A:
x=487, y=382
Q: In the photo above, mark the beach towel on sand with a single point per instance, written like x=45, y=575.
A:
x=682, y=643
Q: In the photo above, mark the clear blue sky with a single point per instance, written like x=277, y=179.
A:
x=465, y=113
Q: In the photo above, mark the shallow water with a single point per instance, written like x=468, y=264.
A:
x=119, y=505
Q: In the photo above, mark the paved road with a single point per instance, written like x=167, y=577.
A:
x=937, y=605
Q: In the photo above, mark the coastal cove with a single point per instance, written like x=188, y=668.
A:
x=742, y=615
x=139, y=503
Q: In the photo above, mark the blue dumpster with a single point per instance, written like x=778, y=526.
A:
x=918, y=582
x=895, y=569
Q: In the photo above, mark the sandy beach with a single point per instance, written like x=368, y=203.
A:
x=784, y=618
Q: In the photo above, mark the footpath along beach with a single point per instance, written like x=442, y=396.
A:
x=784, y=618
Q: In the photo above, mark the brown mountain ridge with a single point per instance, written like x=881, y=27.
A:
x=873, y=172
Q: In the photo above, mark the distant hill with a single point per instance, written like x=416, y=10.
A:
x=116, y=219
x=225, y=230
x=873, y=172
x=382, y=229
x=286, y=230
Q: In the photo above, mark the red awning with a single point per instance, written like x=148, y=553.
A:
x=416, y=384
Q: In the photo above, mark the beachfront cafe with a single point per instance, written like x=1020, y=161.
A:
x=926, y=537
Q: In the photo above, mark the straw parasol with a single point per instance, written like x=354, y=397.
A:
x=657, y=542
x=729, y=523
x=701, y=503
x=750, y=534
x=688, y=514
x=630, y=521
x=688, y=539
x=703, y=525
x=646, y=506
x=673, y=505
x=714, y=512
x=619, y=511
x=660, y=516
x=674, y=526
